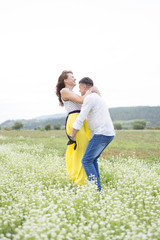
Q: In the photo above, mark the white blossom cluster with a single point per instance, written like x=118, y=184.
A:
x=37, y=200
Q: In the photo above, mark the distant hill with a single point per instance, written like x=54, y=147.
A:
x=38, y=122
x=125, y=115
x=53, y=116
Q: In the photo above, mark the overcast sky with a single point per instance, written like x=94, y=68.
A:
x=116, y=43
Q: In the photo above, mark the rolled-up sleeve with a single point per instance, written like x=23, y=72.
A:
x=86, y=107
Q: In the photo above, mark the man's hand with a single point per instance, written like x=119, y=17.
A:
x=72, y=138
x=73, y=133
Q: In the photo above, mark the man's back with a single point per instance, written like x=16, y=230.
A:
x=96, y=111
x=98, y=117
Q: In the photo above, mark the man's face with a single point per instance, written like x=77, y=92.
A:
x=82, y=88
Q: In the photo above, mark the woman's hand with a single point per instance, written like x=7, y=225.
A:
x=94, y=90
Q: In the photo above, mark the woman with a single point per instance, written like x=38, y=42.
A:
x=72, y=103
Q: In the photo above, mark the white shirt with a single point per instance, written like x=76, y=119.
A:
x=96, y=111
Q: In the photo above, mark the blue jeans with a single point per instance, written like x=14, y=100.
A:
x=90, y=158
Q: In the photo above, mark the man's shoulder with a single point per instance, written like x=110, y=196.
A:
x=89, y=99
x=94, y=99
x=92, y=96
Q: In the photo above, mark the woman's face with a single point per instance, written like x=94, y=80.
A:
x=70, y=81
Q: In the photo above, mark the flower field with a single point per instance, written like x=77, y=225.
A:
x=37, y=200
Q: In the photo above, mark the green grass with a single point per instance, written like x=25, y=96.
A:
x=52, y=140
x=143, y=144
x=37, y=200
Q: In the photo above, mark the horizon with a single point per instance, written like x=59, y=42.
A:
x=65, y=113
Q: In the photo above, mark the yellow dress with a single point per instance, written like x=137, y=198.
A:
x=75, y=169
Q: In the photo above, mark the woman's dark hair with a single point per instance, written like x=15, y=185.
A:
x=87, y=81
x=60, y=85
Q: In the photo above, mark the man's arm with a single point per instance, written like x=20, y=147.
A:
x=86, y=107
x=73, y=133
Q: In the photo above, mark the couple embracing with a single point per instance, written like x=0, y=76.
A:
x=89, y=109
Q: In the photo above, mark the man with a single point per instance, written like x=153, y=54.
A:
x=96, y=111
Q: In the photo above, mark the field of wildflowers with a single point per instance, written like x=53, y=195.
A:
x=37, y=201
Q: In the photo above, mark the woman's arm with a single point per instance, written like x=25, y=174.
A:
x=68, y=95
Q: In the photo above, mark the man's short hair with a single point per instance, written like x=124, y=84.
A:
x=87, y=81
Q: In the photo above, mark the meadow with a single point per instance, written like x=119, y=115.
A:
x=38, y=201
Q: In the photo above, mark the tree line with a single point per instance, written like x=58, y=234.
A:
x=137, y=125
x=19, y=125
x=123, y=118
